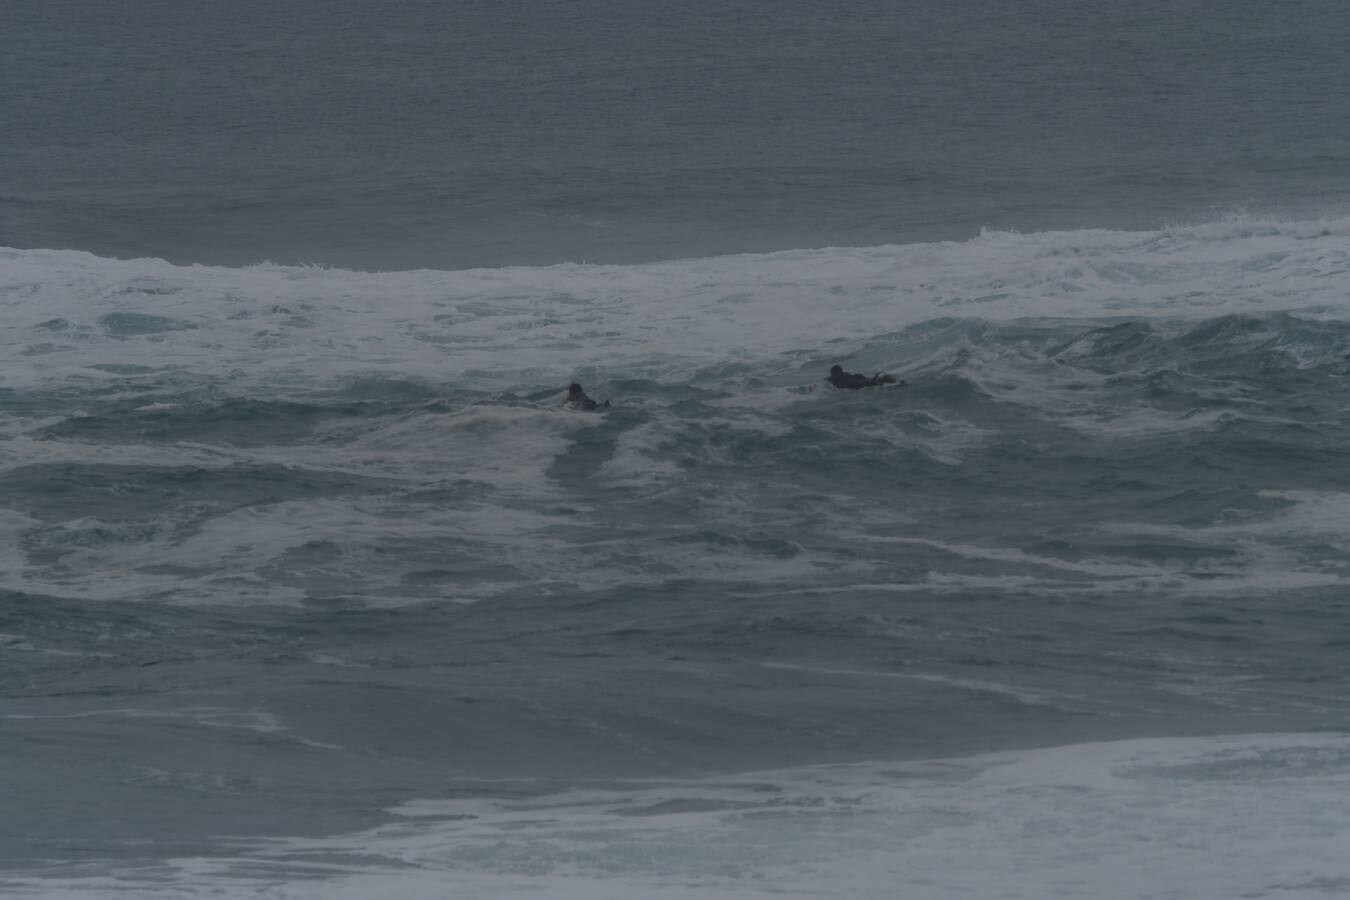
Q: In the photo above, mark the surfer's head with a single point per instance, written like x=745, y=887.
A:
x=836, y=370
x=574, y=390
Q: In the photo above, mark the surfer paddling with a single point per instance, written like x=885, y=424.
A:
x=850, y=381
x=577, y=399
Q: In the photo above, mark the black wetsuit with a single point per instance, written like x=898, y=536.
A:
x=851, y=381
x=578, y=399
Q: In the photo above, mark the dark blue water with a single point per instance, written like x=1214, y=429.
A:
x=309, y=586
x=444, y=135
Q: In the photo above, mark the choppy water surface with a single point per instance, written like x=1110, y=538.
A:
x=311, y=587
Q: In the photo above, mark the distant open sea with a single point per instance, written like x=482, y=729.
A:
x=310, y=589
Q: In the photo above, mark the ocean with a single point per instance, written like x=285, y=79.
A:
x=311, y=587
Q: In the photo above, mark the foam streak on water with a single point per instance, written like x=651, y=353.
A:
x=1127, y=819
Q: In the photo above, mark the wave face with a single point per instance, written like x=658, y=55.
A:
x=314, y=552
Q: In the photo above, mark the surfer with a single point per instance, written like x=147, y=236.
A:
x=577, y=399
x=852, y=382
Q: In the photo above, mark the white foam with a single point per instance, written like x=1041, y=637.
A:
x=270, y=329
x=1311, y=514
x=1109, y=568
x=233, y=557
x=1202, y=818
x=635, y=463
x=1145, y=421
x=230, y=551
x=1304, y=544
x=13, y=524
x=256, y=720
x=1028, y=696
x=25, y=451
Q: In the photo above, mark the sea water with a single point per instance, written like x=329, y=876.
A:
x=309, y=580
x=310, y=587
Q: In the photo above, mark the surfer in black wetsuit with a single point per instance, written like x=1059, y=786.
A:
x=577, y=399
x=852, y=382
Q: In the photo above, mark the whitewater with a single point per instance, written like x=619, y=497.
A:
x=311, y=588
